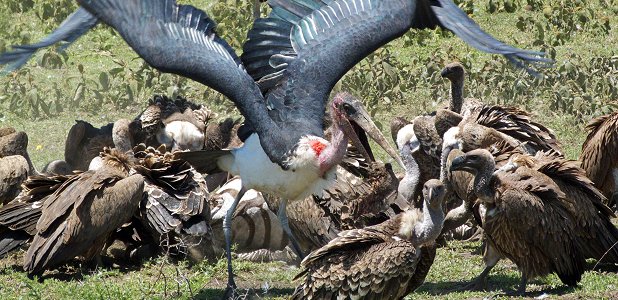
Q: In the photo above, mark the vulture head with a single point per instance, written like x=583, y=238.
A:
x=454, y=71
x=474, y=161
x=433, y=193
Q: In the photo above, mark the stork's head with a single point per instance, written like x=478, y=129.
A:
x=356, y=123
x=454, y=71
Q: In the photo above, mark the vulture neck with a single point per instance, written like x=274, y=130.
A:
x=431, y=226
x=482, y=181
x=457, y=87
x=121, y=135
x=409, y=182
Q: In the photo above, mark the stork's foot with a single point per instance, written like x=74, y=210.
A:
x=231, y=292
x=516, y=293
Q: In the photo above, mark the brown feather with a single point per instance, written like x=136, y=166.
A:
x=175, y=202
x=599, y=157
x=79, y=216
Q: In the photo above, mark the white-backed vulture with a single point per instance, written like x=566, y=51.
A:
x=176, y=123
x=599, y=155
x=384, y=261
x=14, y=142
x=509, y=120
x=540, y=212
x=84, y=142
x=13, y=171
x=78, y=217
x=18, y=218
x=174, y=208
x=15, y=164
x=456, y=74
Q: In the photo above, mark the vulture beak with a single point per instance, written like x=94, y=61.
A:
x=359, y=117
x=445, y=72
x=459, y=164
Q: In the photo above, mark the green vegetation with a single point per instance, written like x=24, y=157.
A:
x=99, y=79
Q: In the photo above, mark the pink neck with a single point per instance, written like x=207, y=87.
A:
x=333, y=154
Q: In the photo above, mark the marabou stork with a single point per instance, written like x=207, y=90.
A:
x=291, y=62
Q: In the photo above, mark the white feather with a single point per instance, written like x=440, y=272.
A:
x=258, y=172
x=404, y=135
x=451, y=139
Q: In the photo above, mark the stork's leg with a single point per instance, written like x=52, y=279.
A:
x=227, y=232
x=283, y=218
x=256, y=9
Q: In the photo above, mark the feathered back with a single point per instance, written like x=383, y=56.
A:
x=599, y=156
x=175, y=202
x=18, y=218
x=518, y=124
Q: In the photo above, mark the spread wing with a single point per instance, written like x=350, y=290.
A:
x=303, y=48
x=448, y=15
x=75, y=25
x=181, y=39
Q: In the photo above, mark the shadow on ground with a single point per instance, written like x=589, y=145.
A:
x=214, y=293
x=498, y=285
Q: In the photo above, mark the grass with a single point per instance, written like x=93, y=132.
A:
x=160, y=278
x=102, y=50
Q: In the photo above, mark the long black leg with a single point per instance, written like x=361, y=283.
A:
x=227, y=232
x=283, y=218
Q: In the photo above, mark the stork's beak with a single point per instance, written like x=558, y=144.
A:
x=364, y=121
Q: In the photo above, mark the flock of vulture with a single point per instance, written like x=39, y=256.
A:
x=296, y=178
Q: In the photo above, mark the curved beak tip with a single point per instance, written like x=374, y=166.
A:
x=457, y=163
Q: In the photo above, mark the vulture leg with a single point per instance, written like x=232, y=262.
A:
x=491, y=258
x=522, y=286
x=283, y=218
x=96, y=262
x=227, y=232
x=480, y=282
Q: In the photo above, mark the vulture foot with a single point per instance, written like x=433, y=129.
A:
x=480, y=282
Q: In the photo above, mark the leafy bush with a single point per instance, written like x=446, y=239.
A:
x=580, y=85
